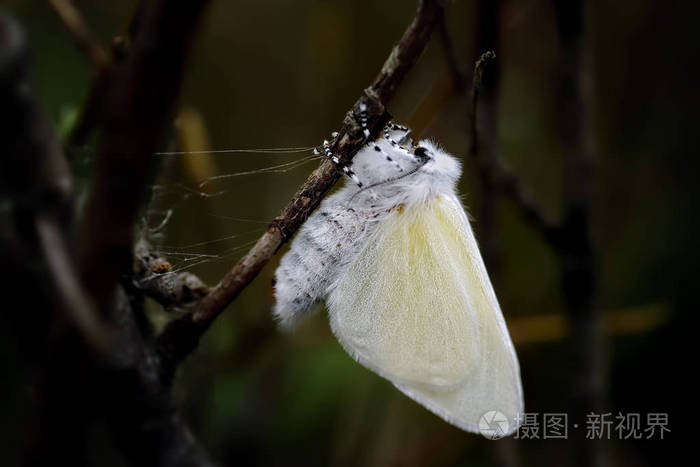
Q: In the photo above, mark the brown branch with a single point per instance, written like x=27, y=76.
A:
x=92, y=111
x=474, y=99
x=102, y=61
x=496, y=173
x=405, y=54
x=84, y=369
x=182, y=335
x=452, y=81
x=34, y=182
x=138, y=112
x=483, y=132
x=487, y=37
x=80, y=32
x=147, y=428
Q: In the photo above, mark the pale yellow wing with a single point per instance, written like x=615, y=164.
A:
x=417, y=307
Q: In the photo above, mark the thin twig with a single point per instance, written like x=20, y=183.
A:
x=80, y=32
x=474, y=100
x=92, y=109
x=452, y=81
x=182, y=335
x=495, y=171
x=483, y=132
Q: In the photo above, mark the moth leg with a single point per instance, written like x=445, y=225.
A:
x=363, y=120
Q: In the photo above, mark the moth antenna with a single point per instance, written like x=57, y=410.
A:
x=290, y=150
x=347, y=170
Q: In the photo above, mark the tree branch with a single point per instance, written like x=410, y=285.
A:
x=84, y=368
x=80, y=32
x=102, y=63
x=92, y=110
x=477, y=78
x=496, y=173
x=182, y=335
x=137, y=117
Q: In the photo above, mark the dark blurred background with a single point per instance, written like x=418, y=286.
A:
x=282, y=73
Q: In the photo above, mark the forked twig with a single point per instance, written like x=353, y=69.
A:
x=496, y=172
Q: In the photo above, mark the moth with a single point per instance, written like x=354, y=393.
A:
x=393, y=256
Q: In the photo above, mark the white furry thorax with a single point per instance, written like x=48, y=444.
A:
x=385, y=186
